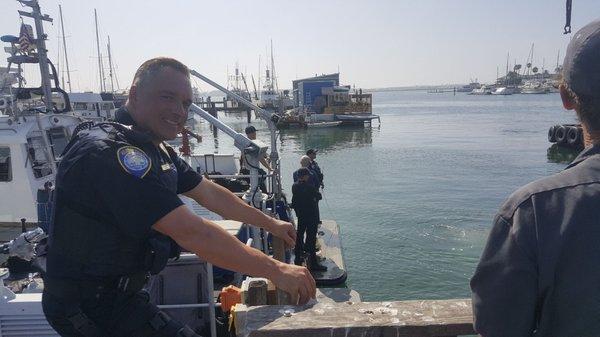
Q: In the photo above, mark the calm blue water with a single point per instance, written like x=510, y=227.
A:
x=416, y=196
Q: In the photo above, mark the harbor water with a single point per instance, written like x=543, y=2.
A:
x=415, y=197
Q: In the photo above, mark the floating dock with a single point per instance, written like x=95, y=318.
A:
x=328, y=239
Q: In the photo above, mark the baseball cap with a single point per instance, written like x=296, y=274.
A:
x=581, y=68
x=311, y=151
x=250, y=129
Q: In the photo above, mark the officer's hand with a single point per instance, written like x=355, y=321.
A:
x=285, y=231
x=297, y=281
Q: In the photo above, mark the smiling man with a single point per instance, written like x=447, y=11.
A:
x=118, y=217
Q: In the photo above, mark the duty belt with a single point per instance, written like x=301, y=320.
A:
x=66, y=288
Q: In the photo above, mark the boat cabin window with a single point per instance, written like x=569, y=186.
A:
x=58, y=141
x=37, y=158
x=79, y=106
x=5, y=166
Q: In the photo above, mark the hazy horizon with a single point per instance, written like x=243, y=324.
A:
x=378, y=44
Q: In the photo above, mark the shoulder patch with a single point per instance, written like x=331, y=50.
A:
x=134, y=161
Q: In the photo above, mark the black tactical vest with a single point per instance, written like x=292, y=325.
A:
x=80, y=232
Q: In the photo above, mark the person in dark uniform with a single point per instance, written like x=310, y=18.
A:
x=118, y=217
x=304, y=201
x=539, y=273
x=316, y=170
x=314, y=167
x=304, y=163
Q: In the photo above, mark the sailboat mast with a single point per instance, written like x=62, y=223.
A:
x=58, y=68
x=100, y=70
x=65, y=48
x=506, y=75
x=273, y=78
x=110, y=67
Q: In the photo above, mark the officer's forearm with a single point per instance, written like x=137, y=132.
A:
x=266, y=164
x=211, y=242
x=221, y=201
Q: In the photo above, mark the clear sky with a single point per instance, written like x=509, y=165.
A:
x=373, y=43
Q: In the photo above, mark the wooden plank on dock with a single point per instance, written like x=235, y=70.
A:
x=407, y=318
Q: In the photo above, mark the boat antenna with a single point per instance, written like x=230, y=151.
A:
x=65, y=48
x=37, y=16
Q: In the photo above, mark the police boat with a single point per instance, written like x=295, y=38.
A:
x=33, y=131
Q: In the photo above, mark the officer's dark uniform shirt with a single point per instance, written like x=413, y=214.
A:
x=540, y=269
x=304, y=201
x=125, y=184
x=313, y=180
x=314, y=167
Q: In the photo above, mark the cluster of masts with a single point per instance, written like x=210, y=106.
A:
x=267, y=84
x=103, y=87
x=529, y=69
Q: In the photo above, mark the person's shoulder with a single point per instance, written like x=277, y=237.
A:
x=562, y=182
x=92, y=141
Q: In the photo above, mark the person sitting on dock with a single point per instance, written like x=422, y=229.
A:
x=539, y=272
x=118, y=217
x=304, y=201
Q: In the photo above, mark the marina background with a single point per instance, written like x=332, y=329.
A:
x=376, y=44
x=415, y=198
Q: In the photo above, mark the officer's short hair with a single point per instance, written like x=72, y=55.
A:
x=589, y=108
x=150, y=68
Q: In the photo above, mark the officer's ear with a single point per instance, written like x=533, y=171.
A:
x=569, y=102
x=133, y=92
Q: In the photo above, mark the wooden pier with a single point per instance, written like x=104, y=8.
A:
x=432, y=318
x=213, y=107
x=340, y=311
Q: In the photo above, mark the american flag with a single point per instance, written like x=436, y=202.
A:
x=26, y=38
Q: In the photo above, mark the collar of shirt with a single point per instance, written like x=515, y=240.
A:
x=122, y=116
x=585, y=154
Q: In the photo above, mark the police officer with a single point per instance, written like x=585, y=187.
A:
x=314, y=167
x=316, y=170
x=304, y=201
x=539, y=273
x=118, y=217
